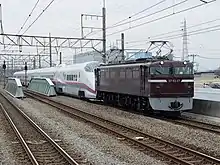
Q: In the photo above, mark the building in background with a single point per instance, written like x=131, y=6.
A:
x=112, y=55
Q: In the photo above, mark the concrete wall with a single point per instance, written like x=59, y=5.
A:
x=209, y=108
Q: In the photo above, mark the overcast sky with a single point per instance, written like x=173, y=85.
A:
x=62, y=18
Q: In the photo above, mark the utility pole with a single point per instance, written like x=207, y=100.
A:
x=25, y=68
x=12, y=64
x=60, y=57
x=185, y=47
x=122, y=47
x=50, y=50
x=39, y=59
x=34, y=63
x=1, y=24
x=104, y=31
x=74, y=57
x=193, y=56
x=4, y=67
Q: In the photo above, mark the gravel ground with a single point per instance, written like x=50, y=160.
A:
x=97, y=147
x=196, y=139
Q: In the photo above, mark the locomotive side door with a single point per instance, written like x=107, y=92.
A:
x=142, y=80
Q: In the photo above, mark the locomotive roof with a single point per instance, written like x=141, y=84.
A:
x=154, y=63
x=54, y=69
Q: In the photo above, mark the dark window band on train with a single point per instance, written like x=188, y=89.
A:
x=167, y=70
x=71, y=77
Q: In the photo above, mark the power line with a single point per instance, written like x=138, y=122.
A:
x=199, y=31
x=149, y=14
x=213, y=30
x=180, y=35
x=93, y=33
x=29, y=16
x=38, y=16
x=115, y=24
x=208, y=58
x=160, y=18
x=174, y=31
x=139, y=12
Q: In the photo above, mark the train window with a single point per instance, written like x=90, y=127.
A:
x=106, y=73
x=169, y=70
x=122, y=74
x=135, y=73
x=183, y=70
x=102, y=73
x=75, y=77
x=159, y=70
x=69, y=77
x=128, y=73
x=112, y=74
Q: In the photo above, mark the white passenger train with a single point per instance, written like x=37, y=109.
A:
x=77, y=79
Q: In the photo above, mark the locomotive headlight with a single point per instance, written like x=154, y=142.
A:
x=185, y=63
x=161, y=62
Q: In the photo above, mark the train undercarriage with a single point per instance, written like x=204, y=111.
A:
x=130, y=102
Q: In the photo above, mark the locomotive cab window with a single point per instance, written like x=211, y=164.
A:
x=171, y=70
x=159, y=70
x=184, y=70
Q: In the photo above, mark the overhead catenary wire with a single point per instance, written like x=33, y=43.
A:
x=190, y=33
x=38, y=16
x=180, y=35
x=203, y=57
x=148, y=8
x=159, y=11
x=213, y=30
x=95, y=32
x=170, y=32
x=28, y=17
x=160, y=18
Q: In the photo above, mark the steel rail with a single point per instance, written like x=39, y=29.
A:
x=197, y=124
x=154, y=147
x=54, y=144
x=24, y=144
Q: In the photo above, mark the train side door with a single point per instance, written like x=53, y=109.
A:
x=142, y=80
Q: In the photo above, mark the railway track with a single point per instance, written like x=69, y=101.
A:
x=196, y=124
x=40, y=148
x=166, y=151
x=180, y=121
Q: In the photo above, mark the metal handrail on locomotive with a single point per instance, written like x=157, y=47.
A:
x=160, y=85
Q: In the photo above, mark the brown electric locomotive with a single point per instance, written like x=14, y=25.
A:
x=158, y=85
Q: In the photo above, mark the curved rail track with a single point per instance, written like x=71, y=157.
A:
x=40, y=148
x=166, y=151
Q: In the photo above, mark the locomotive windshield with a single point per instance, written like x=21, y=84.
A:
x=171, y=70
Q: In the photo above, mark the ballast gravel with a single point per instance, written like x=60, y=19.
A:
x=196, y=139
x=11, y=151
x=94, y=146
x=6, y=142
